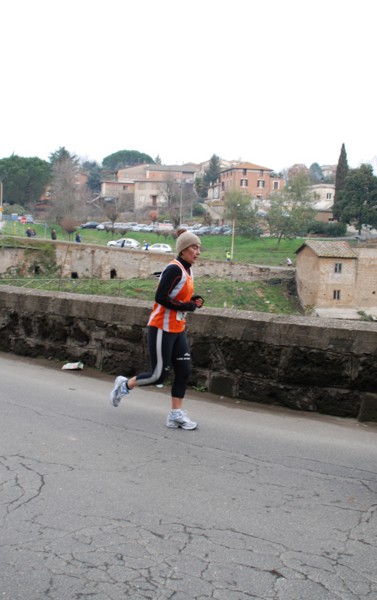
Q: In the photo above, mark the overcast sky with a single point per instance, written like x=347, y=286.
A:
x=275, y=83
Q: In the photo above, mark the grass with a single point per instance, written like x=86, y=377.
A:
x=260, y=251
x=257, y=296
x=260, y=296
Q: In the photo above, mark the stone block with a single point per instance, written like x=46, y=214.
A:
x=368, y=407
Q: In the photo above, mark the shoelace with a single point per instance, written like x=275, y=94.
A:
x=182, y=413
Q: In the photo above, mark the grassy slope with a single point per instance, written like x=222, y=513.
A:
x=259, y=296
x=248, y=250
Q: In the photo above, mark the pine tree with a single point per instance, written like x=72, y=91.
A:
x=340, y=179
x=211, y=173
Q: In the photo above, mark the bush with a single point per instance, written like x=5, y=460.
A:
x=332, y=229
x=198, y=210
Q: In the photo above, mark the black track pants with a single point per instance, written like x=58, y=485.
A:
x=166, y=351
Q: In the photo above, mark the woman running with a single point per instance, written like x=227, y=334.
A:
x=167, y=340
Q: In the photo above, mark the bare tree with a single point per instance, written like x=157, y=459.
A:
x=169, y=189
x=69, y=196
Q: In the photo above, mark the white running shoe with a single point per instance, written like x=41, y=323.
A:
x=120, y=389
x=180, y=419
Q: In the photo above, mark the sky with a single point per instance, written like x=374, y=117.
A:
x=274, y=83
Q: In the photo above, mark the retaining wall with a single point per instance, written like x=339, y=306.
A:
x=28, y=256
x=298, y=362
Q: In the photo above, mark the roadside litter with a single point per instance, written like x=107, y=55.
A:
x=73, y=366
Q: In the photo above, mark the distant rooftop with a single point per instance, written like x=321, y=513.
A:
x=329, y=249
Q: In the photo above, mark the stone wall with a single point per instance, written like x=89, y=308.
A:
x=297, y=362
x=27, y=257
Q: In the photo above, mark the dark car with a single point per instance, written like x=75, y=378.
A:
x=90, y=225
x=203, y=230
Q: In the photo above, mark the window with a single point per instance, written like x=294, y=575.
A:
x=328, y=196
x=276, y=185
x=336, y=295
x=260, y=183
x=243, y=182
x=338, y=268
x=244, y=171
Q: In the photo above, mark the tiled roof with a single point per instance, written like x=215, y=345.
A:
x=247, y=165
x=175, y=168
x=329, y=249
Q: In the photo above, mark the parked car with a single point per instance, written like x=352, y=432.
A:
x=124, y=243
x=165, y=226
x=26, y=219
x=110, y=225
x=160, y=248
x=148, y=228
x=203, y=230
x=138, y=227
x=129, y=226
x=102, y=226
x=90, y=225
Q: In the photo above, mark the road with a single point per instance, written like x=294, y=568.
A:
x=107, y=503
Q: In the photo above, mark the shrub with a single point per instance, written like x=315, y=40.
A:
x=333, y=229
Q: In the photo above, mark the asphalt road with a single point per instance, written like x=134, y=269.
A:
x=107, y=503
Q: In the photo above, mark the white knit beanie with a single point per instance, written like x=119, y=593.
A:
x=186, y=239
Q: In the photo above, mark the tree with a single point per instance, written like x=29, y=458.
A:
x=200, y=187
x=125, y=158
x=93, y=171
x=68, y=196
x=24, y=180
x=239, y=210
x=169, y=188
x=340, y=179
x=112, y=212
x=357, y=199
x=61, y=155
x=291, y=211
x=316, y=175
x=211, y=173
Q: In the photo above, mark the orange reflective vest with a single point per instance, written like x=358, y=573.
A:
x=169, y=319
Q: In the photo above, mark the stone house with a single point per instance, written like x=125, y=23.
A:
x=152, y=185
x=334, y=275
x=256, y=180
x=323, y=200
x=114, y=188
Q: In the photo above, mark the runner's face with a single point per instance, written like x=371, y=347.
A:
x=191, y=253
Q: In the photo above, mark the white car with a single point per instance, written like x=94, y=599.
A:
x=160, y=248
x=102, y=226
x=124, y=243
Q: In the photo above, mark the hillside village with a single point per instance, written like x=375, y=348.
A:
x=151, y=186
x=332, y=278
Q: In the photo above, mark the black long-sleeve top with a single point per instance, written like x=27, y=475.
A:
x=169, y=279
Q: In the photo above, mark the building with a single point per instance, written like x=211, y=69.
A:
x=153, y=186
x=257, y=181
x=200, y=168
x=329, y=171
x=323, y=201
x=334, y=275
